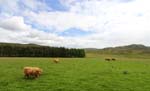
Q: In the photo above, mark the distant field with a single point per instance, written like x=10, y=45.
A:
x=76, y=74
x=124, y=56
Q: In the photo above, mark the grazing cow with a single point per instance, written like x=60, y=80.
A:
x=37, y=71
x=28, y=71
x=113, y=59
x=32, y=72
x=107, y=59
x=56, y=60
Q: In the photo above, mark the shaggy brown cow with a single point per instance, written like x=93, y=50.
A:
x=107, y=59
x=56, y=60
x=113, y=59
x=37, y=71
x=32, y=72
x=28, y=71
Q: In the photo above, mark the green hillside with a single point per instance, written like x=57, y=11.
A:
x=134, y=50
x=130, y=49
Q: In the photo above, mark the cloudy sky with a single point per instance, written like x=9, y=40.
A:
x=75, y=23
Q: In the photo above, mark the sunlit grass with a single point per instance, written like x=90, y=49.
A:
x=76, y=74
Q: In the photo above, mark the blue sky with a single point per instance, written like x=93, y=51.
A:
x=75, y=23
x=56, y=5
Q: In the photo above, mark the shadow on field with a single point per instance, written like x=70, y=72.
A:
x=31, y=78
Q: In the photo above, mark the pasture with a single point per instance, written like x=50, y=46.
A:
x=76, y=74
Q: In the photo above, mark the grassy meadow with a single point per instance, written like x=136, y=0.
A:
x=76, y=74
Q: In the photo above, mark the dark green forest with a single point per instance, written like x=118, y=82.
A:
x=33, y=50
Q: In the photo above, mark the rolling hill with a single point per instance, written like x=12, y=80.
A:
x=134, y=51
x=129, y=49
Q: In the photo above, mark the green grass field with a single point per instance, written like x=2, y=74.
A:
x=76, y=74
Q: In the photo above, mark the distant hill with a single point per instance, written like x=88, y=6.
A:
x=129, y=49
x=17, y=44
x=91, y=49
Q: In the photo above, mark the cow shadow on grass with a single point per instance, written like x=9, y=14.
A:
x=29, y=78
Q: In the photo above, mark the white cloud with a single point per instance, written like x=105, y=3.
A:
x=14, y=23
x=19, y=6
x=63, y=20
x=13, y=29
x=36, y=5
x=113, y=22
x=24, y=33
x=9, y=7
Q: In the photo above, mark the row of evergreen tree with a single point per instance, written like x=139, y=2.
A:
x=27, y=50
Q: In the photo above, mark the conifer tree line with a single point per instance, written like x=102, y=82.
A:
x=32, y=50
